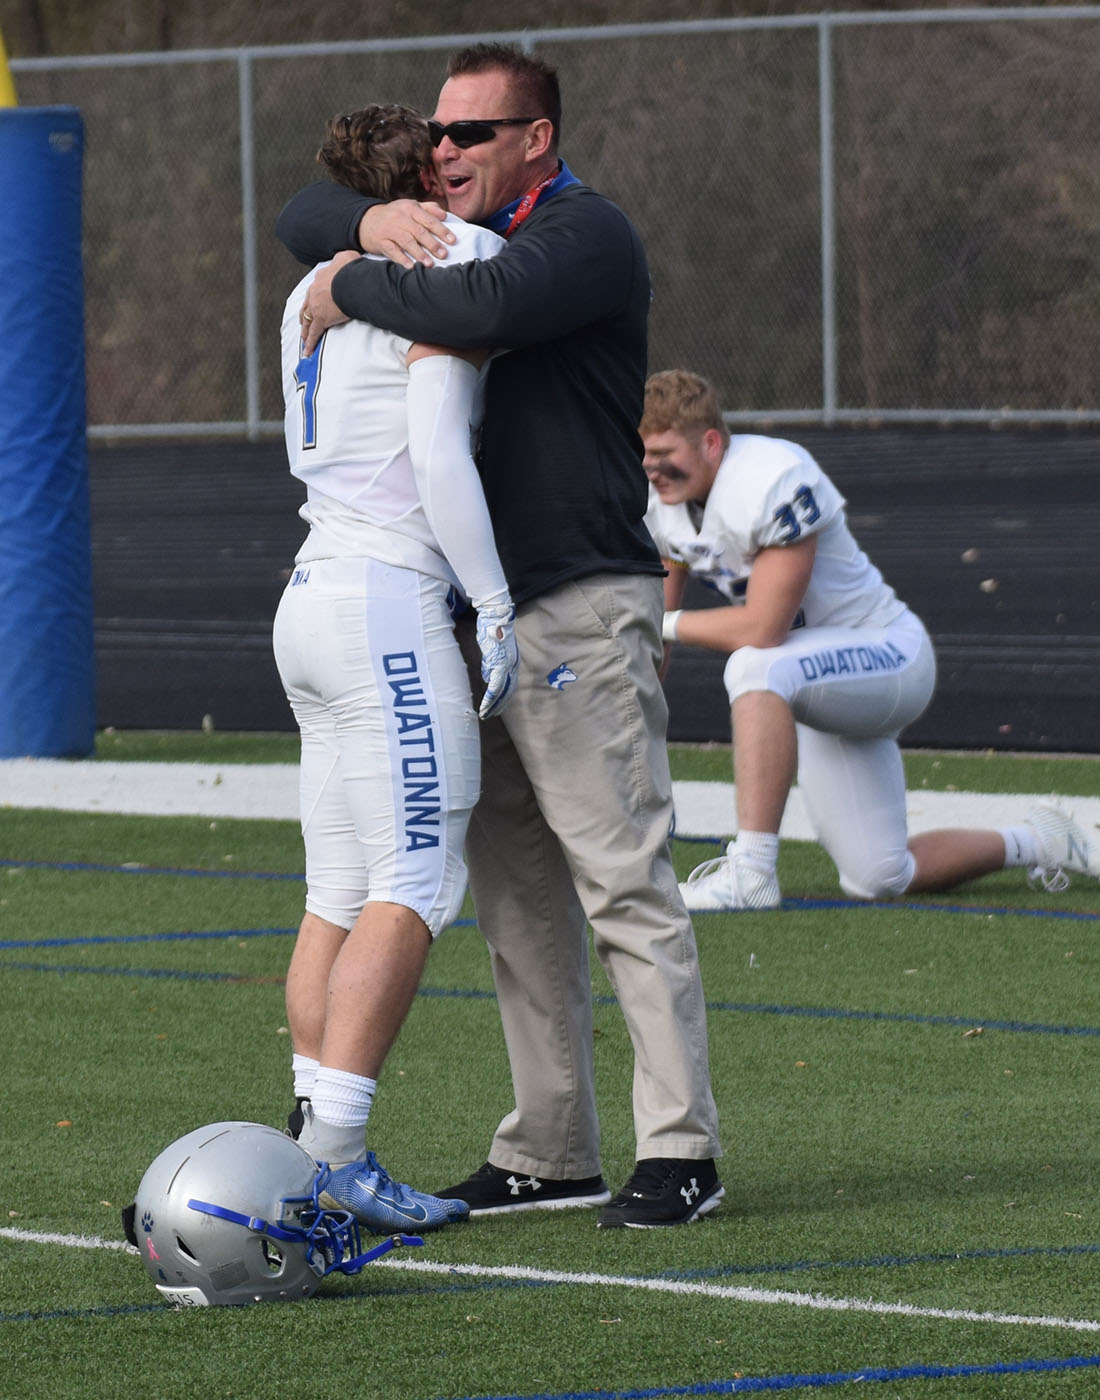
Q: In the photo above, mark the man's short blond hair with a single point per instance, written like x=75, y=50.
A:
x=677, y=401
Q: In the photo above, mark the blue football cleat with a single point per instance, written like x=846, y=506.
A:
x=382, y=1204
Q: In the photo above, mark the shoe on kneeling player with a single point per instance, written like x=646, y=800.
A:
x=725, y=884
x=383, y=1205
x=1063, y=845
x=664, y=1191
x=495, y=1190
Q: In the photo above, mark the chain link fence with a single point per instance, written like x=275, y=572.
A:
x=882, y=218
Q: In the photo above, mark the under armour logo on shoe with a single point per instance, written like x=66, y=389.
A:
x=560, y=677
x=690, y=1192
x=515, y=1182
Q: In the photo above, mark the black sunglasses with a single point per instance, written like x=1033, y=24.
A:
x=474, y=133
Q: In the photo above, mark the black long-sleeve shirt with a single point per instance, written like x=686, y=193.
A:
x=568, y=296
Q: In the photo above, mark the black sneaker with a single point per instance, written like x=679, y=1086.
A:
x=664, y=1191
x=493, y=1191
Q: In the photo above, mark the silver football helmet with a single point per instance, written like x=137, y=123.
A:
x=229, y=1214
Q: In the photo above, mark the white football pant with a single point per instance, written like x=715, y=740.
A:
x=390, y=764
x=851, y=691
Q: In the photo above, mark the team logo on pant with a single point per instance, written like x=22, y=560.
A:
x=848, y=661
x=560, y=677
x=420, y=788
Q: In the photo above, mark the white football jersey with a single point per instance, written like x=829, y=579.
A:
x=769, y=492
x=347, y=433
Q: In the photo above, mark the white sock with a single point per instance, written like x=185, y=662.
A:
x=305, y=1072
x=342, y=1098
x=335, y=1144
x=759, y=850
x=1021, y=846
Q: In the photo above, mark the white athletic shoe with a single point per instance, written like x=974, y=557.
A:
x=723, y=885
x=1063, y=845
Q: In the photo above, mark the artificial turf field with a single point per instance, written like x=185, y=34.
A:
x=908, y=1096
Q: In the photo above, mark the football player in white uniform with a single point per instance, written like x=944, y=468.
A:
x=379, y=430
x=826, y=667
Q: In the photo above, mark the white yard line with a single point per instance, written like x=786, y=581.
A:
x=682, y=1287
x=270, y=790
x=737, y=1294
x=9, y=1232
x=152, y=789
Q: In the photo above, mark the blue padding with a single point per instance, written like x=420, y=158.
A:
x=47, y=671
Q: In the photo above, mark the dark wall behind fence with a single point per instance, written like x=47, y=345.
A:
x=989, y=535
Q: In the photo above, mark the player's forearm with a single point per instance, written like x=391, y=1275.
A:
x=675, y=584
x=727, y=629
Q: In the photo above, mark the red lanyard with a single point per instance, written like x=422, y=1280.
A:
x=528, y=202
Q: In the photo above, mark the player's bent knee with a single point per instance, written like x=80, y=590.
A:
x=887, y=879
x=748, y=669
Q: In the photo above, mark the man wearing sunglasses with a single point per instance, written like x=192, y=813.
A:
x=572, y=825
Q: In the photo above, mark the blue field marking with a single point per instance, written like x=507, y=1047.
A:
x=817, y=1013
x=748, y=1385
x=104, y=939
x=317, y=1300
x=93, y=867
x=461, y=993
x=836, y=1013
x=101, y=940
x=105, y=1310
x=840, y=1013
x=806, y=904
x=924, y=907
x=169, y=974
x=885, y=1261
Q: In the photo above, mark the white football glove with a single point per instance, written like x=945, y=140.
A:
x=496, y=637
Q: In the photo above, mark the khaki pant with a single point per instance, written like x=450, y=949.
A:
x=572, y=828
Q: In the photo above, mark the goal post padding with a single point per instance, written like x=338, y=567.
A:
x=47, y=668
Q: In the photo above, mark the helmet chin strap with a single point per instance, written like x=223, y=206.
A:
x=341, y=1225
x=250, y=1222
x=352, y=1266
